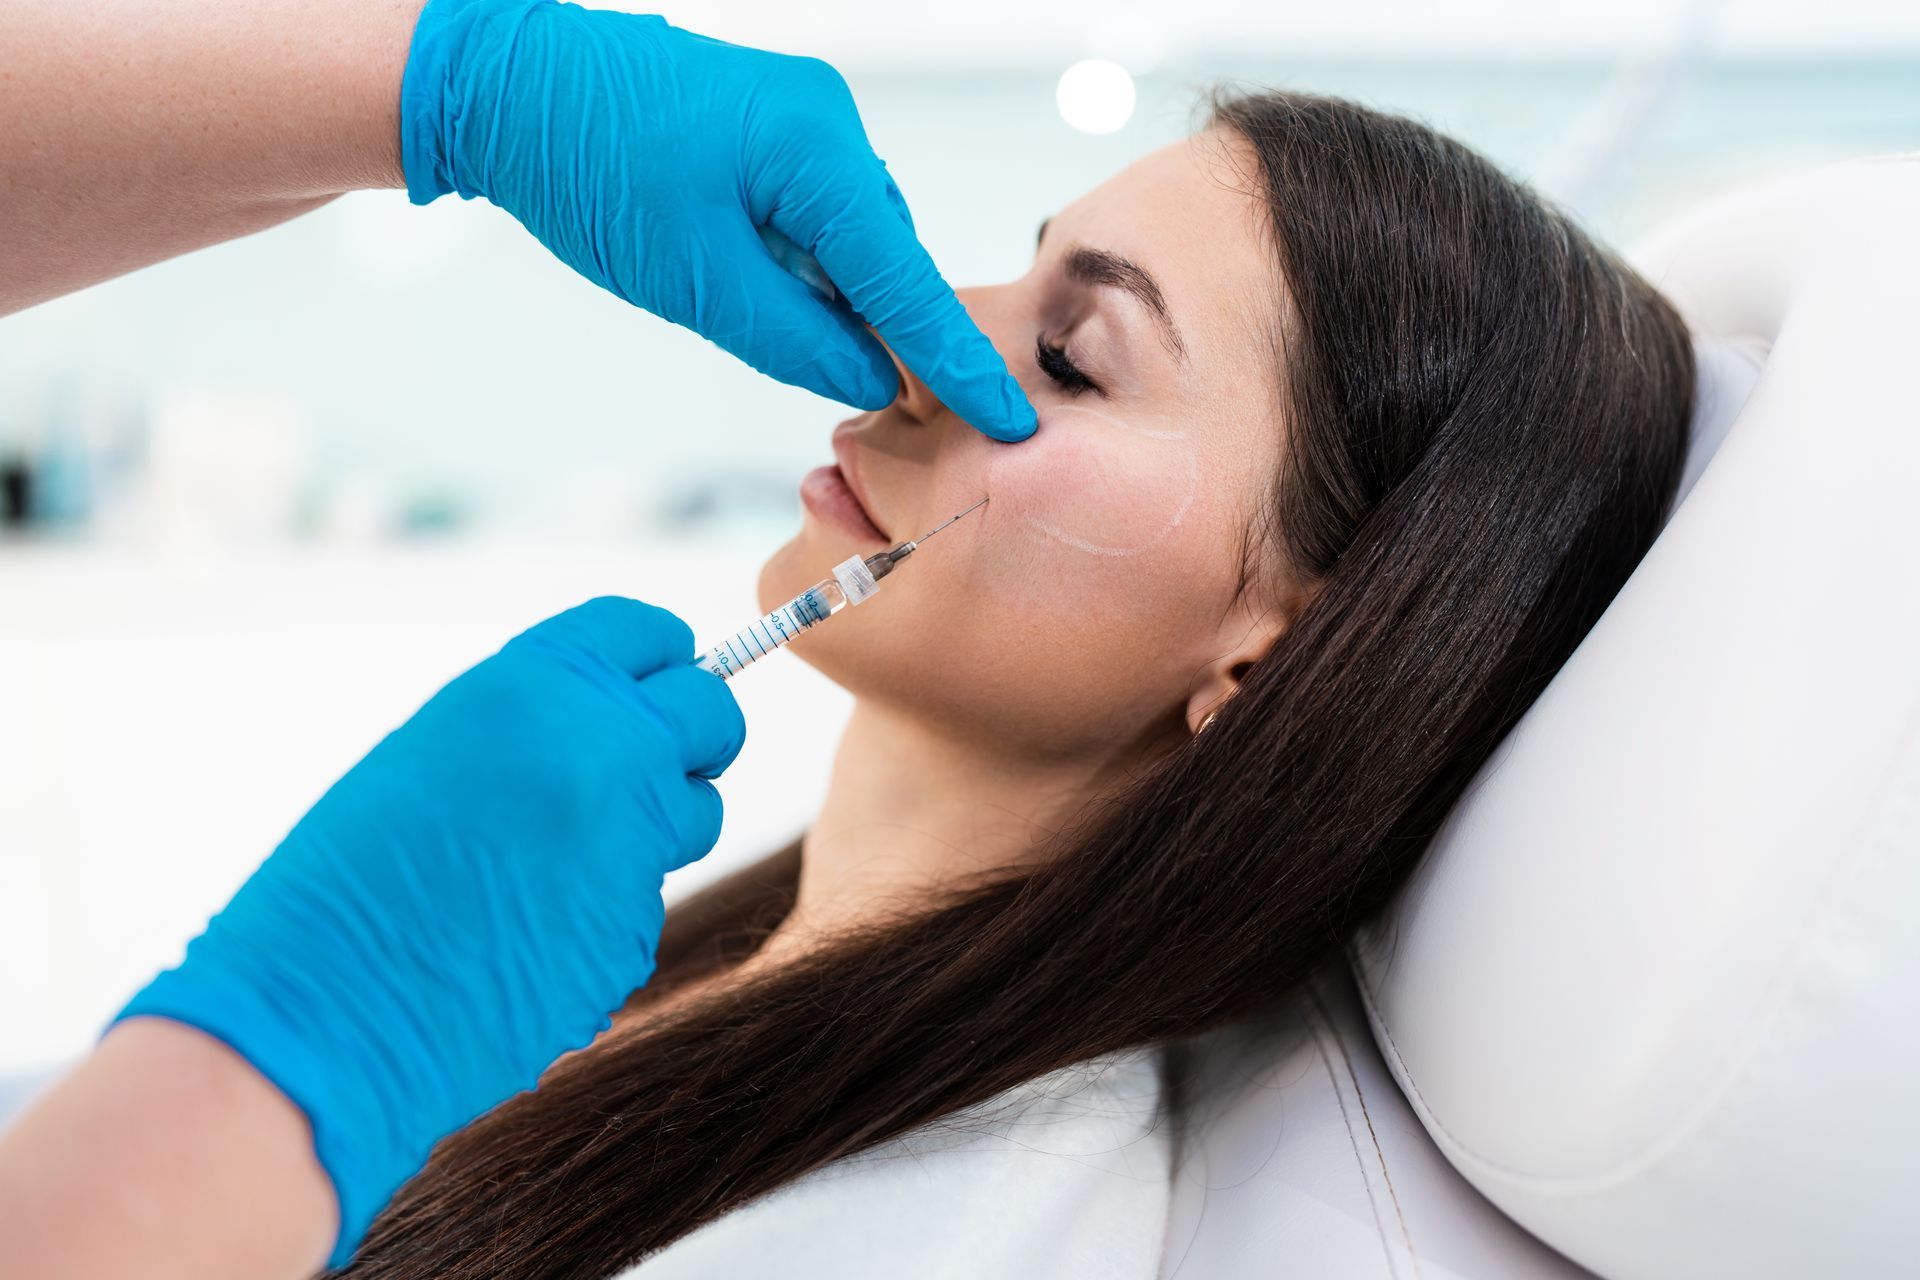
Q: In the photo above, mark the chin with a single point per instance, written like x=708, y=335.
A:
x=780, y=576
x=787, y=573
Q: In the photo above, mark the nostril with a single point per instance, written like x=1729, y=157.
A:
x=910, y=386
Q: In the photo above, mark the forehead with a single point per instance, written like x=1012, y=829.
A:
x=1191, y=214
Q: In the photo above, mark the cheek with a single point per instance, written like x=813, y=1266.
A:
x=1091, y=484
x=1099, y=538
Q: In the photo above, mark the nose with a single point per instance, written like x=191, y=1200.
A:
x=996, y=321
x=915, y=398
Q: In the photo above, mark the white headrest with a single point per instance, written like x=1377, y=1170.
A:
x=1656, y=989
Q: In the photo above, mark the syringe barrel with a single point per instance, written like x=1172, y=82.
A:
x=745, y=647
x=852, y=582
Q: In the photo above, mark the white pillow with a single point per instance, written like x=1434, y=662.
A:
x=1656, y=989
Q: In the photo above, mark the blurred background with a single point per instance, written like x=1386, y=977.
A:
x=259, y=502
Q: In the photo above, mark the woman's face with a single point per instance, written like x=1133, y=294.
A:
x=1077, y=612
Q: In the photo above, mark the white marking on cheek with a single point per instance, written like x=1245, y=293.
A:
x=1151, y=540
x=1178, y=501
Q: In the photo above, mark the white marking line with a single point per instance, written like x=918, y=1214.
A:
x=1173, y=521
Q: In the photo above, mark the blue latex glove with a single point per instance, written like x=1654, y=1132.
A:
x=473, y=899
x=650, y=159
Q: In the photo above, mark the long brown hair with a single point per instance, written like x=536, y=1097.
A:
x=1486, y=416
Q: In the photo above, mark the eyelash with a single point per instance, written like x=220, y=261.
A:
x=1056, y=364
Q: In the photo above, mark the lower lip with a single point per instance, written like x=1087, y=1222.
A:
x=825, y=493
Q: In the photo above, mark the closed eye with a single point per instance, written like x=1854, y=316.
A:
x=1058, y=365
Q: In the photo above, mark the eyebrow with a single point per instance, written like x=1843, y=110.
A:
x=1099, y=267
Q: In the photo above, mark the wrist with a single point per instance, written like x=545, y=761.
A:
x=350, y=132
x=452, y=39
x=317, y=1026
x=165, y=1154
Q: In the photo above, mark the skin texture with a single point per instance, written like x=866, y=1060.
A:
x=164, y=1154
x=1097, y=483
x=140, y=129
x=1092, y=612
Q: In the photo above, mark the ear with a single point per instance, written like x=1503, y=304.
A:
x=1248, y=636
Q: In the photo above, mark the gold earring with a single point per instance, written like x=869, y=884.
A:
x=1205, y=724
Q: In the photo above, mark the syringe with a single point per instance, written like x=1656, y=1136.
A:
x=853, y=581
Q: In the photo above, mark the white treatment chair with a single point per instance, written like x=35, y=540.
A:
x=1650, y=1007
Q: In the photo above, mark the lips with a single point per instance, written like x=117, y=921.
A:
x=829, y=493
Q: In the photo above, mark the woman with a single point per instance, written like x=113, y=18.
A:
x=1346, y=441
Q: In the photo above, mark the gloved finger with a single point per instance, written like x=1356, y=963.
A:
x=632, y=636
x=700, y=713
x=697, y=822
x=800, y=264
x=775, y=322
x=871, y=254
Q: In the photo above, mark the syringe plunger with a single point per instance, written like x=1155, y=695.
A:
x=852, y=583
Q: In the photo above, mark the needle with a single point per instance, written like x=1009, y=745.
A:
x=949, y=520
x=853, y=581
x=881, y=565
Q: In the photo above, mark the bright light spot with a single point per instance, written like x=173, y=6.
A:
x=1095, y=96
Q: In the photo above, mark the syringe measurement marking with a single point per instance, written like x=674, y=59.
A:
x=853, y=581
x=789, y=620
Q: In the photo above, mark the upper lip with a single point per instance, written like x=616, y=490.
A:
x=846, y=454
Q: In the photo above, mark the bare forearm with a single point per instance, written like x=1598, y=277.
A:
x=140, y=129
x=164, y=1155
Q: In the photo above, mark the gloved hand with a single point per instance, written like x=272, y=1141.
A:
x=473, y=899
x=650, y=159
